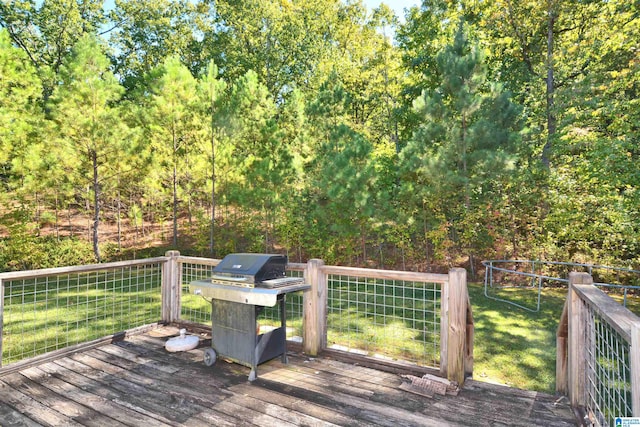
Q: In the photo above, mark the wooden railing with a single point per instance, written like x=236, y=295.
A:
x=150, y=291
x=598, y=358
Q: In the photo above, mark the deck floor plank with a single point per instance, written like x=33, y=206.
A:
x=348, y=399
x=139, y=397
x=31, y=408
x=63, y=410
x=10, y=417
x=167, y=398
x=161, y=382
x=130, y=355
x=137, y=382
x=80, y=387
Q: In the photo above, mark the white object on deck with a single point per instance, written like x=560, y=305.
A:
x=182, y=343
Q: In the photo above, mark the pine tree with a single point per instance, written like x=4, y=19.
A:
x=19, y=96
x=82, y=106
x=465, y=143
x=261, y=161
x=211, y=91
x=172, y=130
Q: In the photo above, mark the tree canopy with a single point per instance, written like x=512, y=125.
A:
x=468, y=130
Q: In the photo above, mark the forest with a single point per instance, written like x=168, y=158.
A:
x=462, y=131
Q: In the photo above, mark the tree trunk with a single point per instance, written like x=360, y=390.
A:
x=96, y=205
x=551, y=118
x=57, y=226
x=69, y=220
x=119, y=209
x=175, y=190
x=213, y=188
x=467, y=190
x=427, y=252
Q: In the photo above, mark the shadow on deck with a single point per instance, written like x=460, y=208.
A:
x=137, y=383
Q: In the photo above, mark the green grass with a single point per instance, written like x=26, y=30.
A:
x=514, y=346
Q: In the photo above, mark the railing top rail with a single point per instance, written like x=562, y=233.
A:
x=296, y=266
x=199, y=260
x=386, y=274
x=618, y=316
x=57, y=271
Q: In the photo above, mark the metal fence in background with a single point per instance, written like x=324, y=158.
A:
x=388, y=314
x=49, y=309
x=533, y=274
x=388, y=318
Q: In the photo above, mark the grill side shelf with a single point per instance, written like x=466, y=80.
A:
x=266, y=297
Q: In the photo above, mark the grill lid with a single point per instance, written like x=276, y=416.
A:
x=250, y=269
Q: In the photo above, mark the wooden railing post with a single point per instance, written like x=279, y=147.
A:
x=171, y=288
x=578, y=328
x=457, y=325
x=562, y=336
x=634, y=355
x=314, y=333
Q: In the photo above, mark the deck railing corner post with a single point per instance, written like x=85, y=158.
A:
x=314, y=333
x=456, y=331
x=578, y=328
x=171, y=287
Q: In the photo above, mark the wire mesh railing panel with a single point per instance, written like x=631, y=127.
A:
x=48, y=313
x=195, y=308
x=608, y=372
x=392, y=319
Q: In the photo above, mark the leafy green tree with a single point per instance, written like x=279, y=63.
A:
x=339, y=174
x=427, y=30
x=82, y=106
x=541, y=49
x=344, y=188
x=143, y=34
x=595, y=178
x=284, y=43
x=47, y=30
x=260, y=161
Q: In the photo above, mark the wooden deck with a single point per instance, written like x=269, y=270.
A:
x=137, y=383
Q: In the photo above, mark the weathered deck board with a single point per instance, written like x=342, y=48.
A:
x=11, y=417
x=136, y=382
x=52, y=404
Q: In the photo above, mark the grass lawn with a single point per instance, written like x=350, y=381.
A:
x=514, y=346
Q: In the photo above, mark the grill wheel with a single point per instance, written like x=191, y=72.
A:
x=210, y=356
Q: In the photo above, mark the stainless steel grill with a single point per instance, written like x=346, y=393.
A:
x=240, y=287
